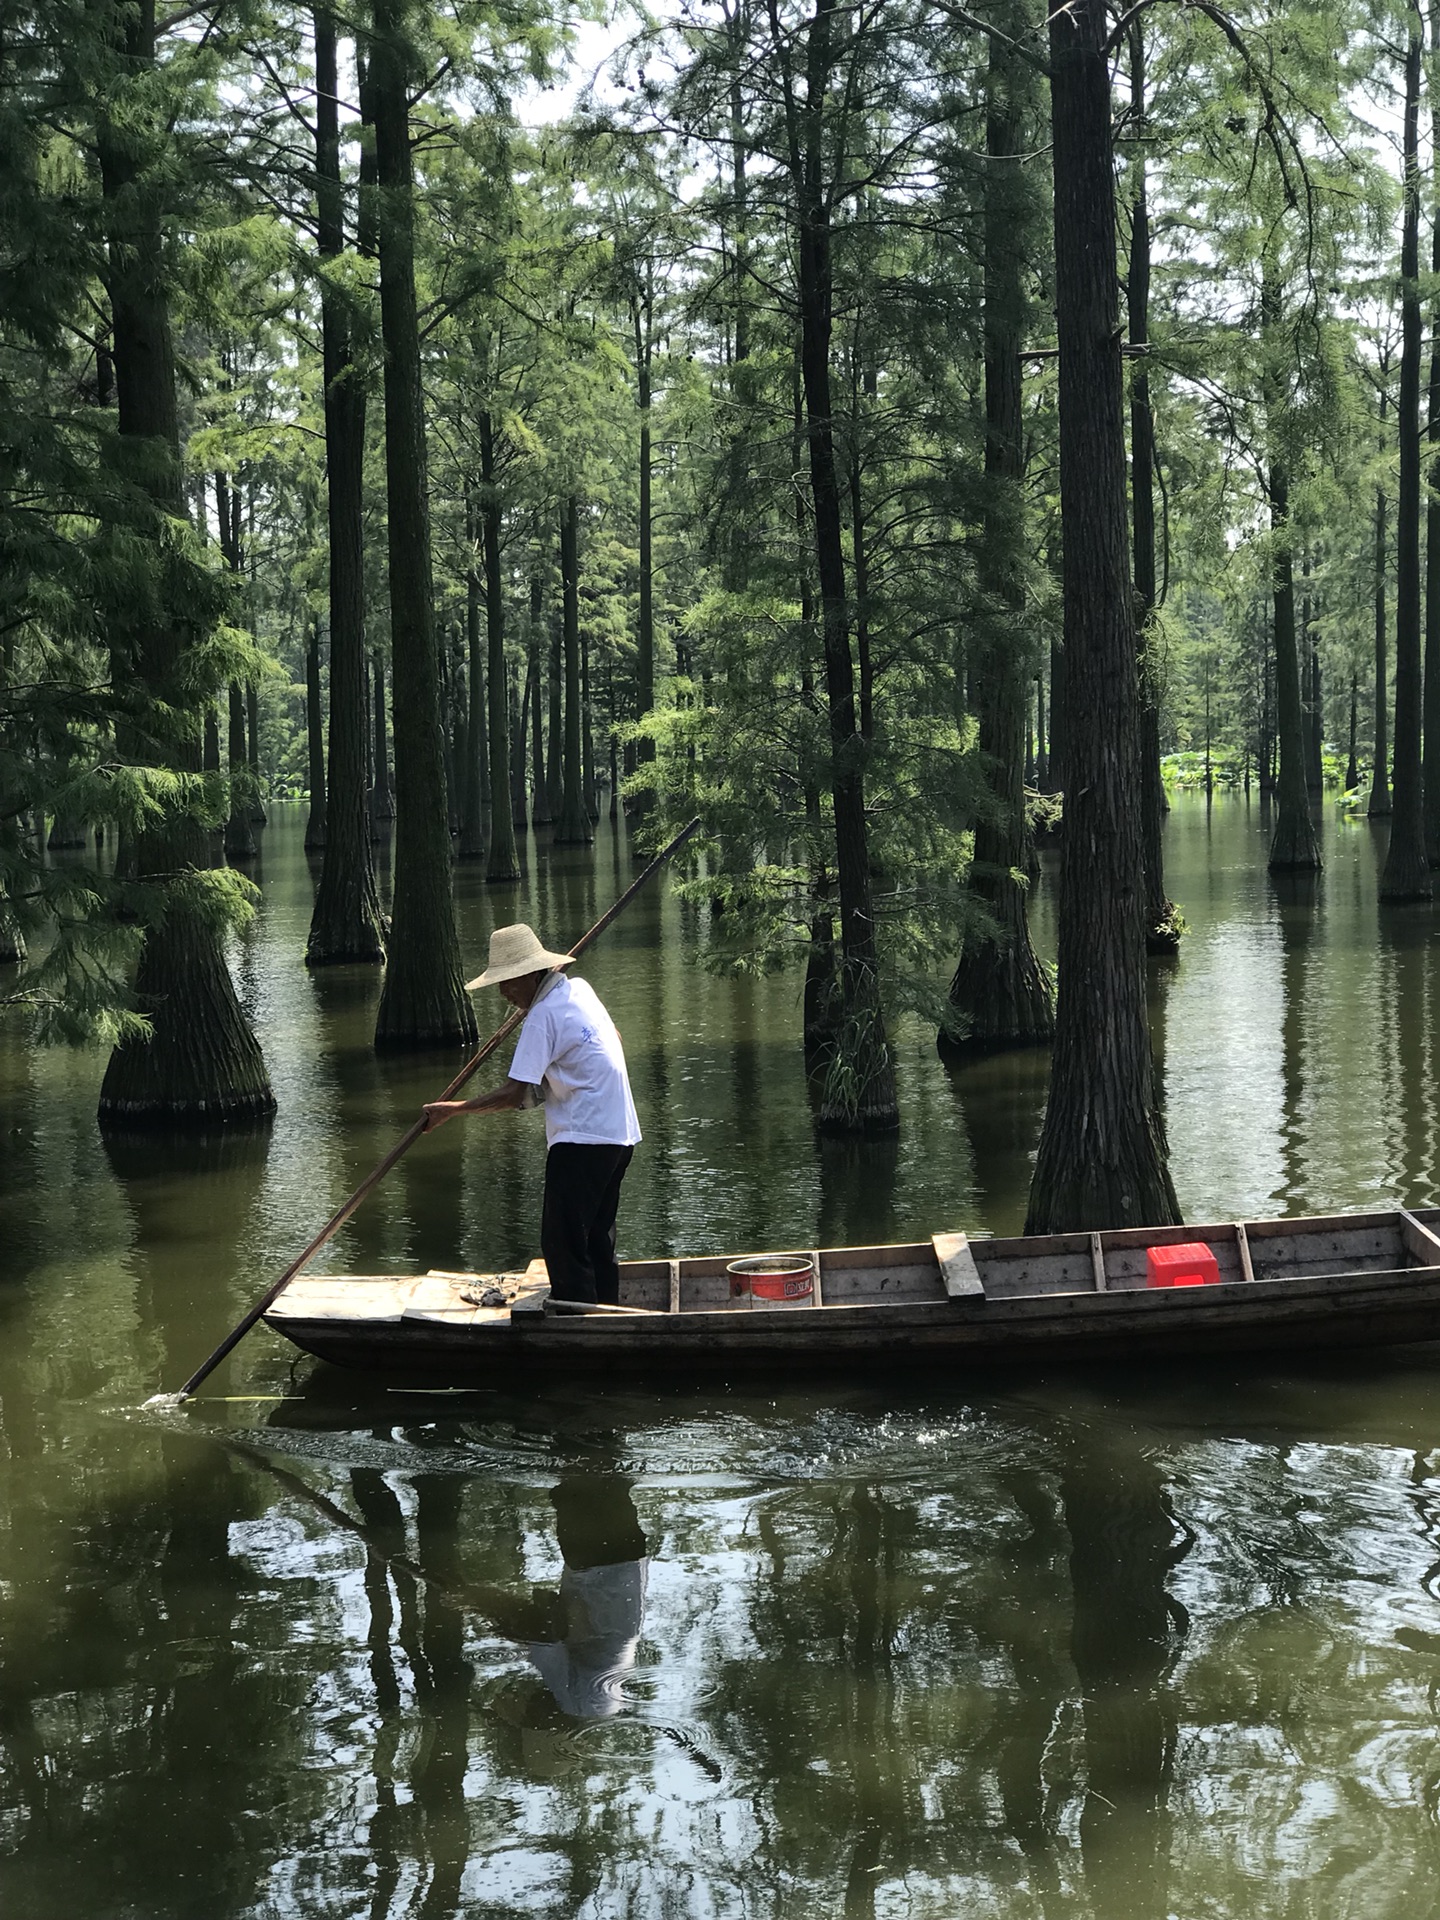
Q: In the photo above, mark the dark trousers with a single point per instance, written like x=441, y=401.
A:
x=577, y=1223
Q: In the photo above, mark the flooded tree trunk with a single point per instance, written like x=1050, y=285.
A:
x=1000, y=988
x=423, y=1002
x=859, y=1090
x=252, y=719
x=645, y=628
x=12, y=940
x=472, y=822
x=539, y=785
x=502, y=861
x=1430, y=768
x=315, y=739
x=519, y=723
x=239, y=839
x=1161, y=935
x=1102, y=1156
x=1406, y=874
x=1294, y=845
x=574, y=826
x=201, y=1062
x=1380, y=768
x=346, y=925
x=452, y=723
x=554, y=747
x=382, y=802
x=1352, y=765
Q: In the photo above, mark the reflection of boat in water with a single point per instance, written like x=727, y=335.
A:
x=1343, y=1280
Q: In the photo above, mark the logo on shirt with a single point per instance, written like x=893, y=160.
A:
x=587, y=1034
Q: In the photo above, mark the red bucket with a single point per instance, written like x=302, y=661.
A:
x=778, y=1279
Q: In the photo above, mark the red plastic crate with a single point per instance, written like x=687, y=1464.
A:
x=1191, y=1264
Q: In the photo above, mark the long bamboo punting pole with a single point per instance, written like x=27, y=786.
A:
x=403, y=1145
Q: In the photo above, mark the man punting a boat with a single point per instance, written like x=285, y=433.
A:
x=569, y=1058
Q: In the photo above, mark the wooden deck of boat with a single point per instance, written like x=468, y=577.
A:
x=1341, y=1280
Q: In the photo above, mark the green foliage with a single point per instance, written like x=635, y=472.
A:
x=640, y=260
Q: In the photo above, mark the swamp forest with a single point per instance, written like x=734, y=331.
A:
x=981, y=465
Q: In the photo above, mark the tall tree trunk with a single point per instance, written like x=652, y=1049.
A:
x=859, y=1088
x=423, y=1001
x=1161, y=935
x=574, y=826
x=1430, y=768
x=345, y=923
x=382, y=802
x=1102, y=1158
x=1309, y=670
x=239, y=839
x=587, y=734
x=314, y=738
x=12, y=938
x=1406, y=874
x=1352, y=765
x=555, y=729
x=201, y=1063
x=1294, y=845
x=645, y=633
x=472, y=825
x=1000, y=988
x=1317, y=718
x=502, y=861
x=1380, y=768
x=252, y=728
x=452, y=749
x=540, y=813
x=1042, y=752
x=821, y=1006
x=520, y=710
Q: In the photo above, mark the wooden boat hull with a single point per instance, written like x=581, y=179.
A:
x=1339, y=1282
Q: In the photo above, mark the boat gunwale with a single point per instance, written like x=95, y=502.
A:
x=1292, y=1299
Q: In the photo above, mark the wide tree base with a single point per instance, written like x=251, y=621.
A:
x=347, y=931
x=418, y=1013
x=1097, y=1183
x=1406, y=875
x=240, y=843
x=1003, y=994
x=201, y=1065
x=1295, y=847
x=359, y=954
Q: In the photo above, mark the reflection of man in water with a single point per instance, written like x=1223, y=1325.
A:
x=582, y=1639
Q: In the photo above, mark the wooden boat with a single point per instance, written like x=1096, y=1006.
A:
x=1345, y=1280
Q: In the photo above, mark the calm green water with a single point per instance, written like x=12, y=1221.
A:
x=1115, y=1645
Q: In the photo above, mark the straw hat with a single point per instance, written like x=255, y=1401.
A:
x=515, y=951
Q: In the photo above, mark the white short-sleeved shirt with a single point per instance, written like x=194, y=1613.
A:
x=568, y=1047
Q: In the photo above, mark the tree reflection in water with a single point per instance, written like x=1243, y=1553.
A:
x=1124, y=1542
